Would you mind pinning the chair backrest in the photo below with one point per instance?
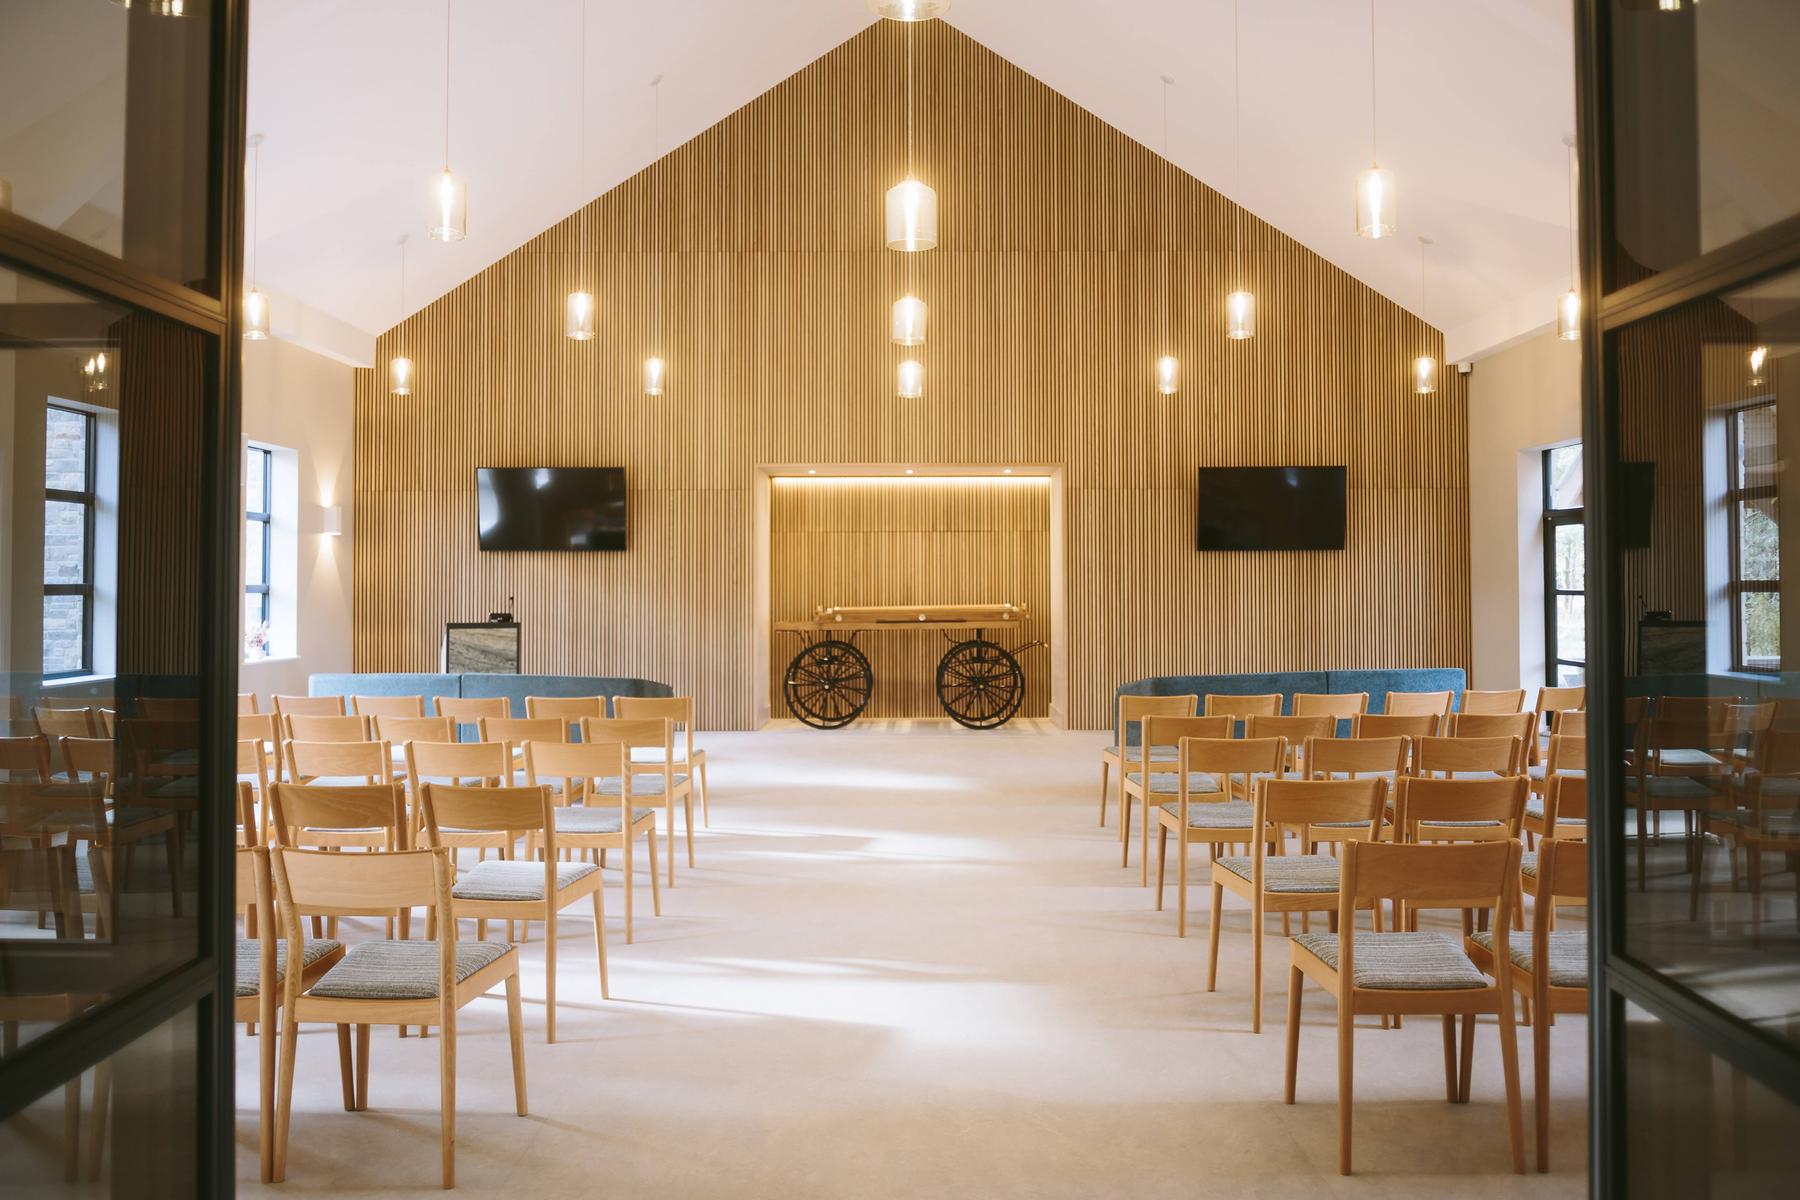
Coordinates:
(1133, 710)
(294, 808)
(1686, 728)
(261, 726)
(1228, 757)
(388, 706)
(571, 763)
(1559, 699)
(1326, 757)
(514, 810)
(1568, 752)
(1566, 800)
(519, 730)
(570, 710)
(250, 888)
(401, 730)
(90, 759)
(1569, 720)
(168, 708)
(247, 703)
(309, 706)
(1437, 875)
(66, 722)
(1311, 802)
(1242, 707)
(467, 710)
(639, 734)
(109, 720)
(1297, 730)
(1168, 731)
(252, 759)
(1412, 704)
(1387, 725)
(454, 762)
(21, 754)
(303, 728)
(1342, 705)
(1694, 708)
(1562, 874)
(371, 884)
(679, 709)
(1453, 755)
(1445, 802)
(1511, 701)
(373, 761)
(1488, 725)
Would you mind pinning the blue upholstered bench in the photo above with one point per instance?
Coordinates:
(1377, 683)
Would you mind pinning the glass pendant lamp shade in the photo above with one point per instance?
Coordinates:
(160, 8)
(1168, 375)
(400, 375)
(449, 208)
(909, 321)
(911, 379)
(93, 372)
(909, 10)
(1375, 203)
(653, 376)
(1425, 371)
(1568, 316)
(1758, 357)
(578, 317)
(1240, 316)
(256, 316)
(911, 216)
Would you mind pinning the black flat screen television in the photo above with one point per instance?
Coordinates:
(1271, 508)
(1637, 499)
(550, 508)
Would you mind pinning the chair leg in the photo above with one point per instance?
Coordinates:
(626, 856)
(655, 887)
(687, 823)
(447, 1095)
(346, 1067)
(285, 1100)
(1162, 858)
(1125, 828)
(1346, 1030)
(362, 1068)
(1467, 1070)
(550, 972)
(1295, 979)
(669, 841)
(265, 1081)
(1540, 1086)
(705, 802)
(1181, 862)
(600, 941)
(1509, 1066)
(1256, 960)
(1105, 778)
(1212, 938)
(1450, 1089)
(515, 1030)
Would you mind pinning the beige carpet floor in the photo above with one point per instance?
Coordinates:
(909, 965)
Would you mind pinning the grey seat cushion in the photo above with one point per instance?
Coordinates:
(1424, 824)
(249, 953)
(1289, 872)
(641, 785)
(1686, 757)
(1568, 954)
(1402, 962)
(1671, 787)
(389, 970)
(1538, 771)
(504, 880)
(1230, 814)
(1136, 753)
(1168, 783)
(1528, 863)
(595, 818)
(1535, 810)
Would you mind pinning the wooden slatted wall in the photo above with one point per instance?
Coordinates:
(1069, 257)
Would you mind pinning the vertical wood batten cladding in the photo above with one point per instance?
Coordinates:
(1062, 242)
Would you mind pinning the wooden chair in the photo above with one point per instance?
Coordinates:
(1468, 757)
(397, 731)
(253, 780)
(1242, 708)
(1385, 759)
(1764, 816)
(516, 731)
(309, 706)
(467, 711)
(246, 704)
(1459, 809)
(388, 706)
(264, 727)
(570, 710)
(385, 982)
(66, 722)
(168, 708)
(113, 830)
(27, 755)
(1569, 721)
(1681, 763)
(1388, 725)
(1561, 986)
(1211, 816)
(1565, 815)
(1131, 713)
(1413, 704)
(1344, 706)
(1297, 730)
(109, 721)
(1407, 972)
(1489, 725)
(1493, 703)
(1550, 700)
(1567, 756)
(1291, 883)
(302, 728)
(651, 782)
(461, 764)
(1161, 731)
(597, 825)
(517, 891)
(339, 764)
(334, 817)
(680, 710)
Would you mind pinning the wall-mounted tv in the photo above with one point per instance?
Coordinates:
(1271, 508)
(550, 508)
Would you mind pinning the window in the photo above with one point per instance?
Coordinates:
(259, 520)
(1755, 519)
(69, 452)
(1565, 569)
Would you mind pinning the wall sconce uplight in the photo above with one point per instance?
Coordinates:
(331, 520)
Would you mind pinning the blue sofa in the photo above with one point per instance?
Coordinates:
(1377, 683)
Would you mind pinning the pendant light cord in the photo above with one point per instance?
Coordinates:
(1570, 174)
(1168, 215)
(909, 99)
(400, 325)
(1237, 140)
(1374, 157)
(581, 170)
(655, 226)
(446, 86)
(255, 203)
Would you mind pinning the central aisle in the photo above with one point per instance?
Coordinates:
(909, 965)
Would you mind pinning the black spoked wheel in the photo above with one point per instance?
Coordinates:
(980, 684)
(828, 684)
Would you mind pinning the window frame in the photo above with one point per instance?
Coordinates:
(1553, 519)
(88, 497)
(1736, 495)
(265, 516)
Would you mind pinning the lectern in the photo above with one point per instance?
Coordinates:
(480, 648)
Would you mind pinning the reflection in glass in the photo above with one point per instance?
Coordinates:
(1571, 557)
(1571, 628)
(1565, 476)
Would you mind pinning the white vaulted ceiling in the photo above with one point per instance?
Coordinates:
(1475, 97)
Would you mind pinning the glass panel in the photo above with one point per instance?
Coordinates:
(1759, 540)
(1705, 99)
(1565, 476)
(65, 542)
(63, 635)
(255, 480)
(65, 450)
(1571, 628)
(1760, 622)
(256, 629)
(1758, 458)
(103, 128)
(1571, 557)
(255, 569)
(1568, 675)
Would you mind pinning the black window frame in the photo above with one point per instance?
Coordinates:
(88, 497)
(265, 516)
(1736, 495)
(1553, 519)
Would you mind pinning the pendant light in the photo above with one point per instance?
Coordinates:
(157, 8)
(1168, 367)
(909, 321)
(911, 204)
(654, 368)
(1374, 187)
(579, 310)
(400, 367)
(256, 305)
(1758, 357)
(1240, 305)
(1425, 367)
(450, 203)
(1568, 309)
(909, 10)
(911, 380)
(94, 373)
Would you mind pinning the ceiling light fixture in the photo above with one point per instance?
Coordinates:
(909, 10)
(579, 310)
(1758, 357)
(1568, 309)
(256, 305)
(1240, 305)
(1425, 367)
(1374, 187)
(93, 373)
(400, 367)
(911, 204)
(654, 367)
(450, 209)
(1168, 367)
(911, 381)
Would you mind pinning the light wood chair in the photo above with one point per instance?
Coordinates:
(309, 706)
(1160, 785)
(1469, 757)
(1565, 815)
(651, 782)
(113, 831)
(66, 722)
(1459, 810)
(109, 722)
(246, 704)
(1412, 704)
(1212, 817)
(338, 764)
(570, 710)
(1550, 970)
(1767, 813)
(1681, 763)
(1496, 703)
(27, 755)
(301, 728)
(1490, 725)
(386, 982)
(1570, 721)
(1297, 730)
(397, 731)
(1342, 705)
(1385, 759)
(1407, 972)
(1567, 756)
(1551, 700)
(462, 764)
(598, 825)
(516, 731)
(680, 710)
(1241, 707)
(1387, 725)
(467, 711)
(334, 817)
(517, 891)
(388, 706)
(264, 727)
(1291, 883)
(253, 780)
(1131, 713)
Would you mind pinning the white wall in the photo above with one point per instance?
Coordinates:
(1520, 401)
(299, 400)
